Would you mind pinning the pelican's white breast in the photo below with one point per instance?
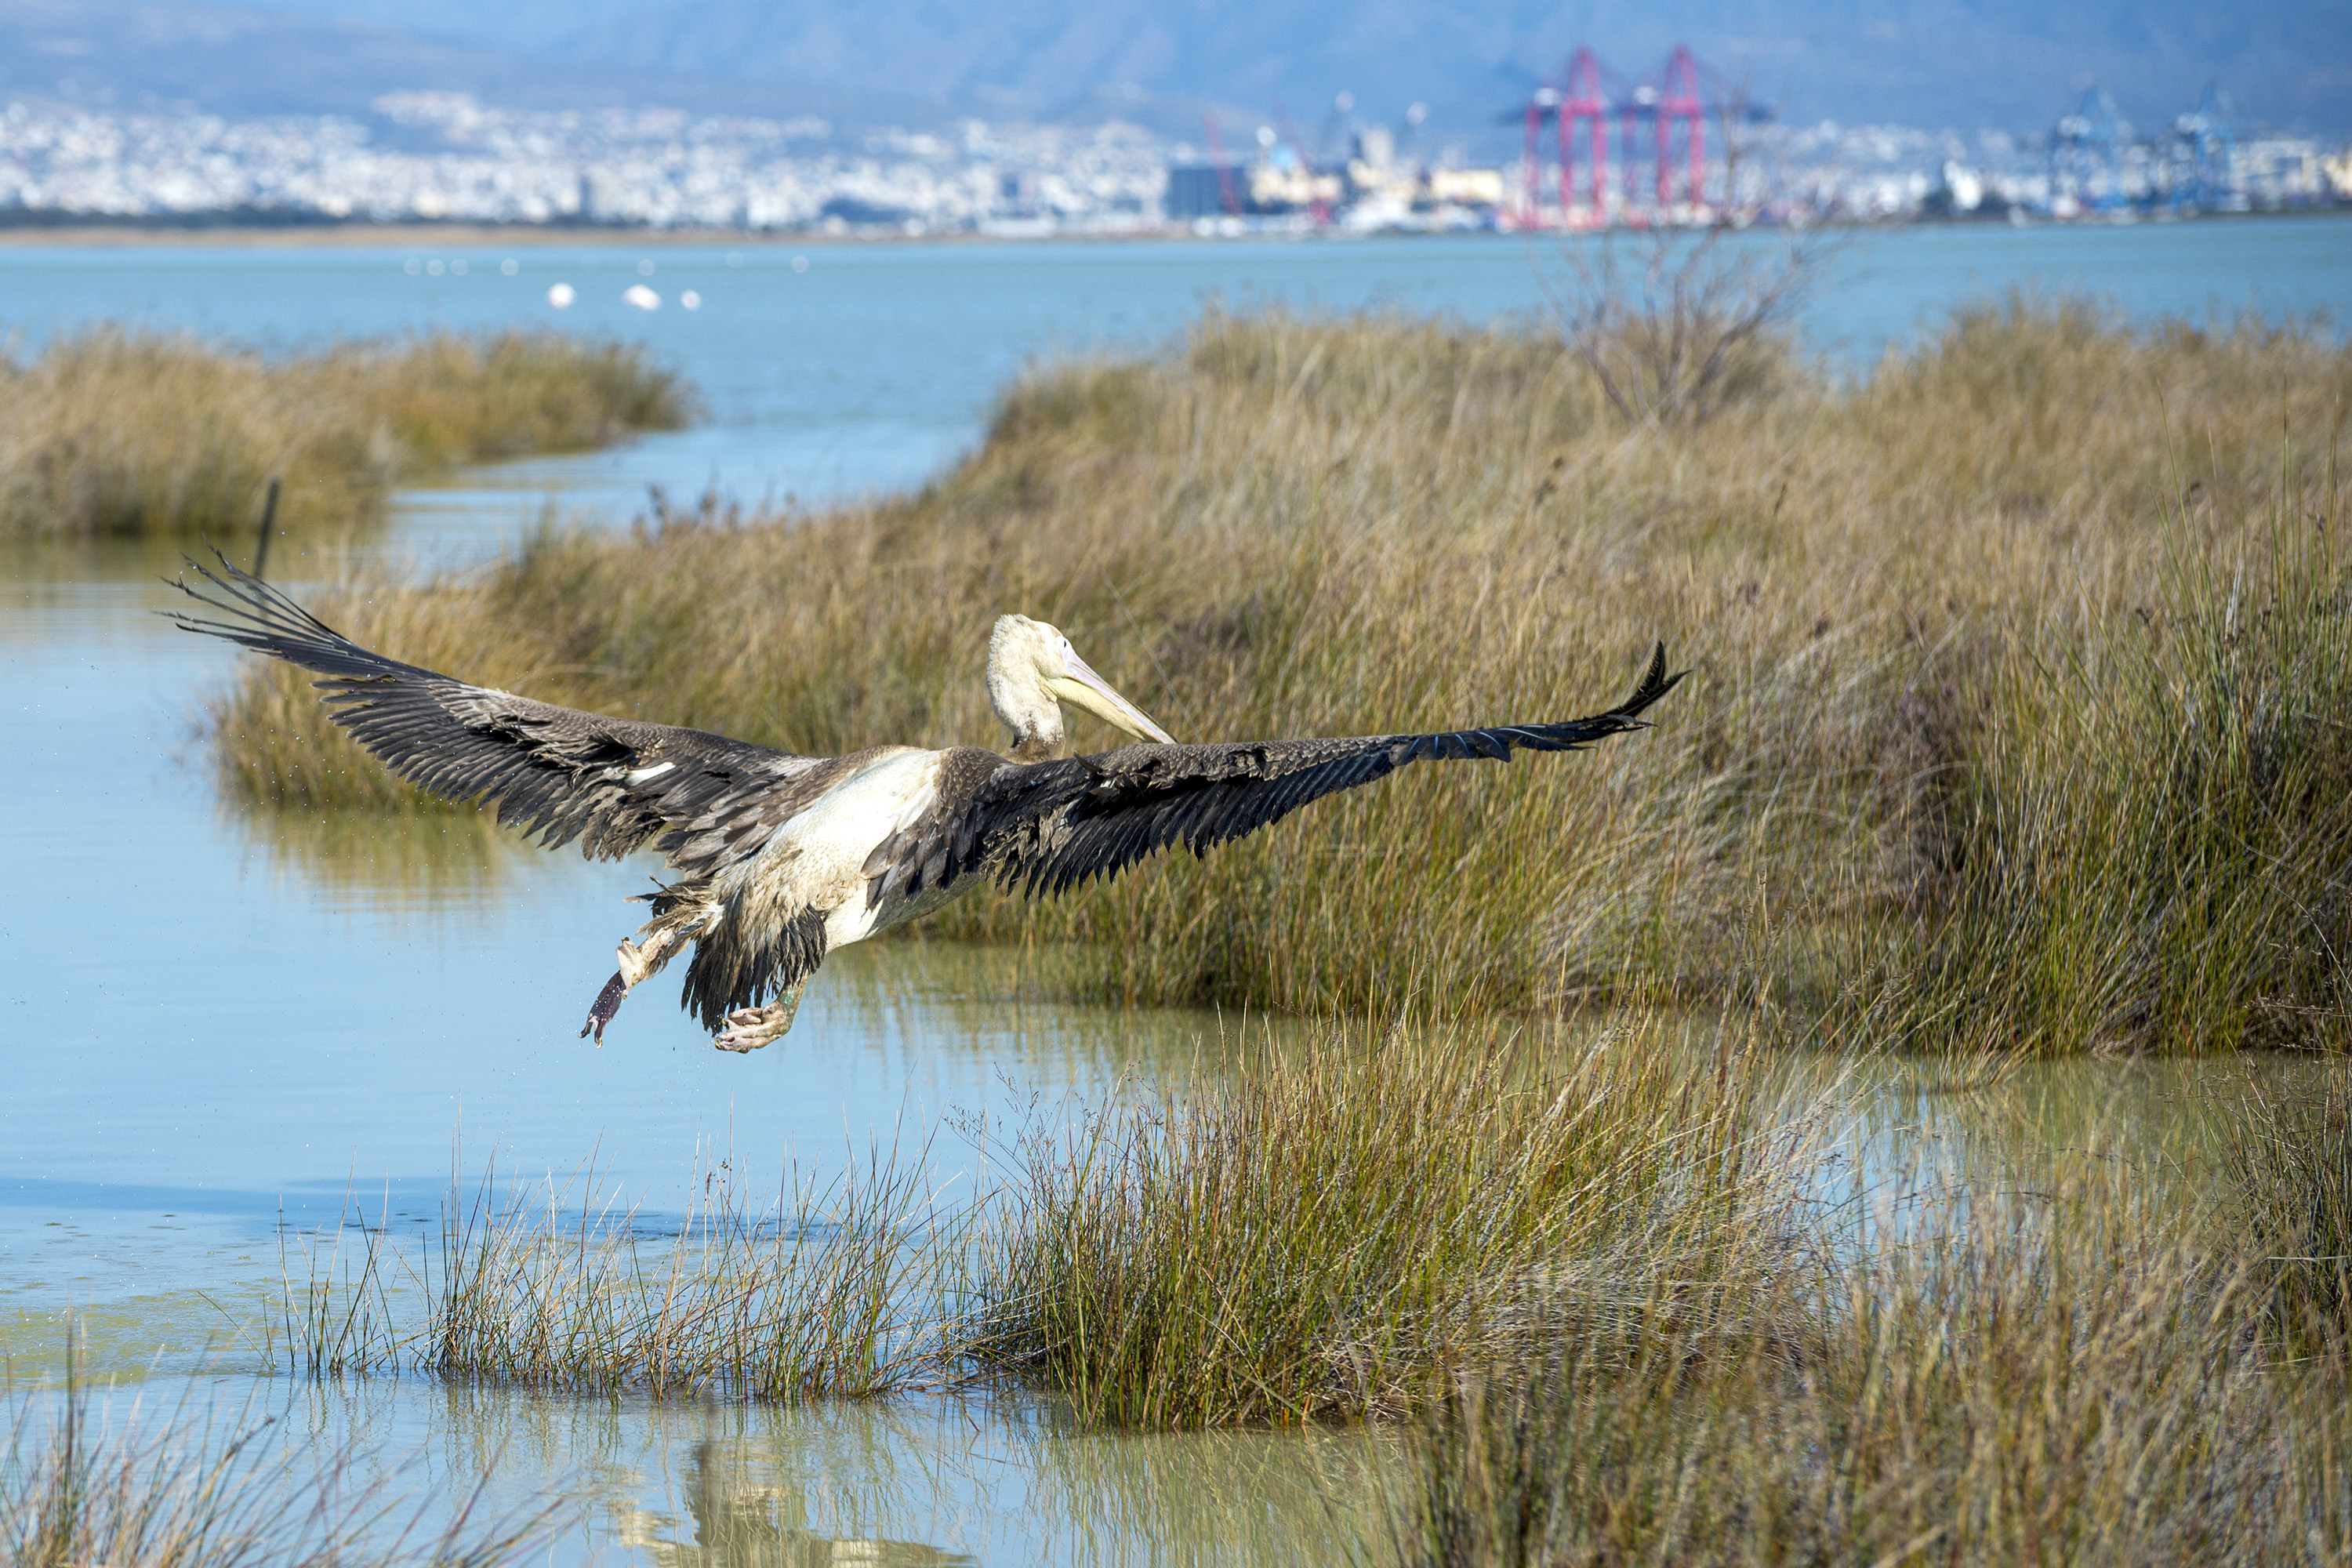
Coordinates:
(817, 859)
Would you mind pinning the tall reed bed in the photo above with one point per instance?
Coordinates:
(2065, 1377)
(2147, 839)
(2001, 651)
(113, 432)
(83, 1485)
(1335, 1234)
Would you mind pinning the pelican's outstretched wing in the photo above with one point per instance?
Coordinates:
(1048, 827)
(559, 773)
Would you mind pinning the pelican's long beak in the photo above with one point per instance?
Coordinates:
(1078, 683)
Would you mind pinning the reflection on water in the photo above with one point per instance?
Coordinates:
(913, 1481)
(740, 1521)
(415, 860)
(1904, 1146)
(941, 1482)
(2175, 1120)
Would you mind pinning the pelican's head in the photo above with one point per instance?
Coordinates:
(1032, 669)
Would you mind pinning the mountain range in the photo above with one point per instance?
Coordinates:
(2012, 64)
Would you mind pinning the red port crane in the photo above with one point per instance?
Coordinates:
(1678, 99)
(1674, 97)
(1217, 161)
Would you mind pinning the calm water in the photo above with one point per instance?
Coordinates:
(207, 1021)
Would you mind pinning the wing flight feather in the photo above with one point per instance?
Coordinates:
(1048, 827)
(558, 773)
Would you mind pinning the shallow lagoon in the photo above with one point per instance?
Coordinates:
(216, 1029)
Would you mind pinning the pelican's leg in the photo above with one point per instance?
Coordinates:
(637, 962)
(751, 1027)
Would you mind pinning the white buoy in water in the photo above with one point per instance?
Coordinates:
(643, 298)
(561, 296)
(691, 300)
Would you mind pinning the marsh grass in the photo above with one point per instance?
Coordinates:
(2293, 1191)
(828, 1290)
(2152, 832)
(337, 1315)
(2000, 650)
(119, 433)
(1309, 1230)
(81, 1487)
(1588, 1272)
(1332, 1233)
(818, 1296)
(2066, 1375)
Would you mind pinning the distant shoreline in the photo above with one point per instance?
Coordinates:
(133, 233)
(388, 236)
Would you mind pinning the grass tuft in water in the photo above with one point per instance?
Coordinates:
(815, 1296)
(2294, 1193)
(830, 1290)
(1333, 1232)
(116, 433)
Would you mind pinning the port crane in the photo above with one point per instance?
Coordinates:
(1672, 103)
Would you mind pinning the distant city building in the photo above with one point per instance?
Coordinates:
(451, 159)
(1204, 190)
(446, 157)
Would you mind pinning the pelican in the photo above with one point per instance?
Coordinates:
(782, 858)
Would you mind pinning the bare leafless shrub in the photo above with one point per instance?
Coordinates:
(1694, 325)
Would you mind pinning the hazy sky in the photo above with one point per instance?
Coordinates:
(2011, 63)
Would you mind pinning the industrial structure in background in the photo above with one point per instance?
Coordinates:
(1678, 145)
(1661, 120)
(2205, 162)
(1683, 145)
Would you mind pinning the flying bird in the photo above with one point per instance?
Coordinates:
(782, 858)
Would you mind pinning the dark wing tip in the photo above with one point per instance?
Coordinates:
(263, 617)
(1655, 683)
(249, 598)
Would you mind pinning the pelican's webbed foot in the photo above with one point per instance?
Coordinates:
(600, 1012)
(749, 1028)
(637, 962)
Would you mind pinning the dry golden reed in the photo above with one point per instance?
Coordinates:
(1337, 1229)
(2015, 722)
(2059, 1379)
(119, 433)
